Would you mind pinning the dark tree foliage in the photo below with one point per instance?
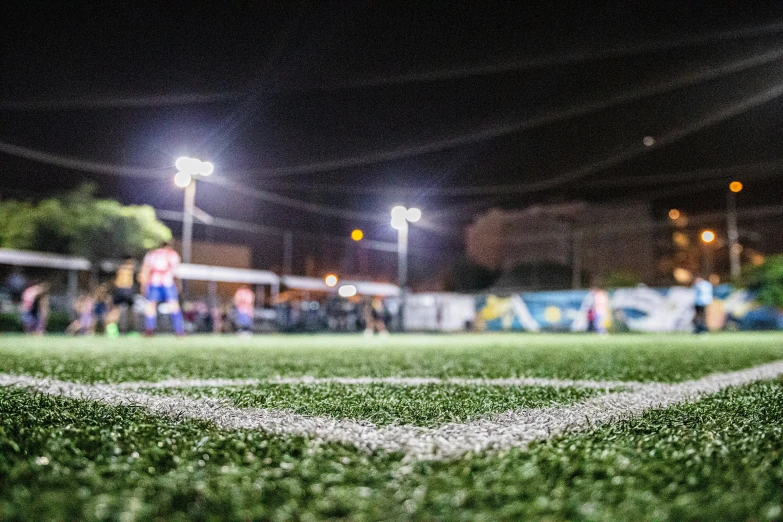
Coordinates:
(766, 281)
(80, 224)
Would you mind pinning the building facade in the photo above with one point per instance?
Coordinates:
(589, 242)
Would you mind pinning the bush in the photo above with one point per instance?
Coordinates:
(58, 322)
(467, 276)
(622, 279)
(766, 281)
(12, 323)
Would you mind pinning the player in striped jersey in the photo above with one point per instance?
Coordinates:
(157, 284)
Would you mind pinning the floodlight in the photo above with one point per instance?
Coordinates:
(347, 291)
(206, 168)
(182, 179)
(188, 165)
(399, 212)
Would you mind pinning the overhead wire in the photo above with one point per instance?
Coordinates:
(498, 131)
(161, 173)
(82, 165)
(753, 170)
(581, 56)
(527, 124)
(445, 74)
(529, 187)
(243, 226)
(746, 171)
(629, 153)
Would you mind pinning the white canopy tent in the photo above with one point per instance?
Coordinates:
(193, 272)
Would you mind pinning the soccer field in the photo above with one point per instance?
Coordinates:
(444, 427)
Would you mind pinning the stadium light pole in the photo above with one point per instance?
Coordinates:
(732, 231)
(400, 216)
(188, 171)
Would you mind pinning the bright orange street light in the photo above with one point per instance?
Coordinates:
(357, 235)
(735, 186)
(708, 236)
(330, 280)
(674, 214)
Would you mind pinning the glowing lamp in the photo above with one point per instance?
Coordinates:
(188, 165)
(413, 215)
(398, 212)
(206, 168)
(347, 291)
(182, 179)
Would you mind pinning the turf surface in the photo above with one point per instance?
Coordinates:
(382, 404)
(720, 458)
(619, 357)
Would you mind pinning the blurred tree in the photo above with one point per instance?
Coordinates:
(535, 276)
(16, 218)
(766, 281)
(622, 279)
(81, 224)
(467, 276)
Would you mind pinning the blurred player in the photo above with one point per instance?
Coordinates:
(84, 323)
(600, 310)
(100, 308)
(157, 284)
(122, 298)
(375, 318)
(35, 308)
(244, 300)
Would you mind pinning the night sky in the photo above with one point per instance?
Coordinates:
(361, 105)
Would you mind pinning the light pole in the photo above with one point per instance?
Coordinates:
(400, 218)
(188, 171)
(731, 227)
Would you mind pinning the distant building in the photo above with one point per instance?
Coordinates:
(543, 246)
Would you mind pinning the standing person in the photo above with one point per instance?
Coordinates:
(217, 319)
(703, 290)
(84, 323)
(122, 298)
(158, 284)
(35, 308)
(244, 301)
(375, 318)
(591, 320)
(100, 310)
(601, 310)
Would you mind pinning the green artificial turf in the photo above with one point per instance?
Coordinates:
(63, 459)
(618, 357)
(382, 404)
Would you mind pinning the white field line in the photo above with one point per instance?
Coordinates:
(394, 381)
(498, 432)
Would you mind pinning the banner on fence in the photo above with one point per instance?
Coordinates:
(639, 309)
